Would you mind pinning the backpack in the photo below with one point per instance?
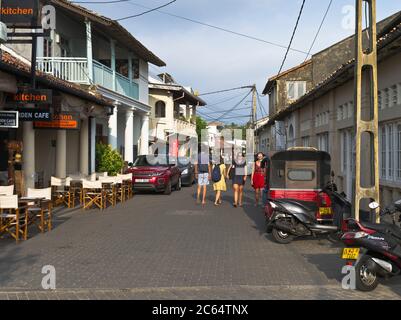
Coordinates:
(216, 174)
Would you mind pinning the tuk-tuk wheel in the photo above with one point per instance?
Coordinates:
(282, 237)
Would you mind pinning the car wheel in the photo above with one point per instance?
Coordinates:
(282, 237)
(167, 191)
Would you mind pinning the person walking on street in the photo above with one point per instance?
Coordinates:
(203, 175)
(219, 185)
(239, 176)
(258, 177)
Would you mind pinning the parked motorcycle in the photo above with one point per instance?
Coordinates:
(290, 218)
(373, 249)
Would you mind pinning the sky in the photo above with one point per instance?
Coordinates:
(210, 60)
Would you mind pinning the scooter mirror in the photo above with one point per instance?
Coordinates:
(373, 205)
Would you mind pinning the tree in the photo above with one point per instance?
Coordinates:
(108, 160)
(200, 125)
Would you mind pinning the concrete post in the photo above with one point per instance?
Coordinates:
(89, 51)
(113, 129)
(84, 148)
(129, 136)
(28, 137)
(145, 135)
(61, 154)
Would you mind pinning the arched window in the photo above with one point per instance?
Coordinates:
(291, 136)
(160, 109)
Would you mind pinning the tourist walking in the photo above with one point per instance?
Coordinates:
(239, 173)
(258, 177)
(219, 179)
(203, 175)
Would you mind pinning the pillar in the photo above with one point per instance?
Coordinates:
(113, 128)
(89, 51)
(145, 135)
(61, 154)
(113, 61)
(84, 147)
(129, 136)
(28, 137)
(92, 145)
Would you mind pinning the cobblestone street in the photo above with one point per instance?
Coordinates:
(167, 247)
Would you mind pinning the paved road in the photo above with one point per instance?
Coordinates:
(167, 247)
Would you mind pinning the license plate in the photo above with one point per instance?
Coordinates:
(142, 180)
(325, 211)
(350, 253)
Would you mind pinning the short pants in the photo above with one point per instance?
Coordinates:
(203, 179)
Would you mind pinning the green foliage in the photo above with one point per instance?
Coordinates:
(108, 160)
(200, 125)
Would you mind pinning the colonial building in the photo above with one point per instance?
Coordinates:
(323, 116)
(102, 56)
(173, 108)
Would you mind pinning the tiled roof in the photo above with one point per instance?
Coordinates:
(15, 66)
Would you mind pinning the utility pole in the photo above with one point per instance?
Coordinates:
(366, 113)
(254, 97)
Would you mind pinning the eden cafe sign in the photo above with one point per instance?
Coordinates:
(19, 13)
(29, 114)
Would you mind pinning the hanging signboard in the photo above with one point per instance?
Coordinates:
(33, 114)
(63, 120)
(20, 13)
(25, 96)
(8, 119)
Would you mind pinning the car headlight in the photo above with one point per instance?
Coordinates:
(273, 205)
(185, 171)
(158, 174)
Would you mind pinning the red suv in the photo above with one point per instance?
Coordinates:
(150, 173)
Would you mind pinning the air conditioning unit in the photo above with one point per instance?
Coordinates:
(3, 32)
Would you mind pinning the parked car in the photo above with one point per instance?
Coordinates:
(157, 176)
(187, 171)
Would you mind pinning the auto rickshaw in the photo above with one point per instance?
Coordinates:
(296, 181)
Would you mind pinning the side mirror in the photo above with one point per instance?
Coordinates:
(374, 205)
(130, 164)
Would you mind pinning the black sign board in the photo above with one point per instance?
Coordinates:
(20, 13)
(42, 96)
(8, 119)
(33, 114)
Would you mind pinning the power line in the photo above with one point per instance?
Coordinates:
(318, 31)
(99, 2)
(292, 37)
(225, 90)
(208, 106)
(148, 11)
(218, 28)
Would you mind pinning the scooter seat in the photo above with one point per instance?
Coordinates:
(384, 228)
(308, 207)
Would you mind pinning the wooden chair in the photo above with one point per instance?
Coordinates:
(13, 219)
(42, 211)
(60, 192)
(6, 190)
(126, 185)
(92, 194)
(119, 188)
(109, 190)
(74, 185)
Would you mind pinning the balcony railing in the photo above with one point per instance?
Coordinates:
(76, 70)
(184, 127)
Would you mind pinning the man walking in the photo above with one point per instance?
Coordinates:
(203, 175)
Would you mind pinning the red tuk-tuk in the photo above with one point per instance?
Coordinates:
(296, 180)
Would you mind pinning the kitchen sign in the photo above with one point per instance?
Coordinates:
(33, 114)
(62, 121)
(26, 96)
(20, 13)
(8, 119)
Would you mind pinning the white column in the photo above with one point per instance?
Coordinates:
(129, 136)
(28, 136)
(89, 51)
(84, 148)
(93, 145)
(113, 129)
(61, 154)
(145, 135)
